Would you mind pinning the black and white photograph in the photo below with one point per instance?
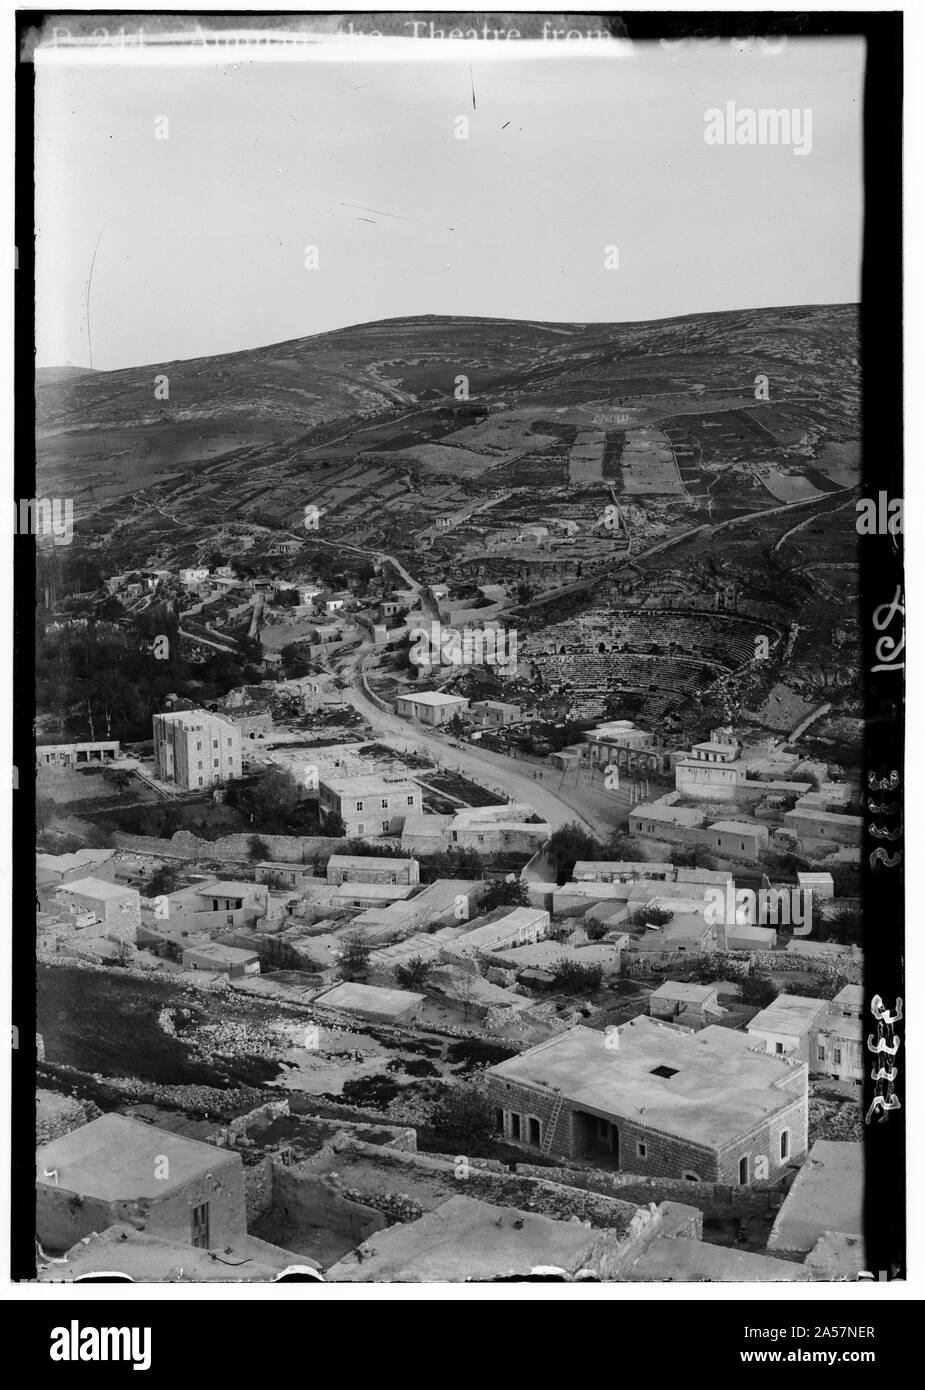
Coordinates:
(460, 653)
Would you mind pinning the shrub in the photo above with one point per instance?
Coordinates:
(573, 978)
(596, 931)
(651, 916)
(414, 972)
(465, 1113)
(501, 893)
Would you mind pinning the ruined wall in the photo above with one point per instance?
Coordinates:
(258, 1189)
(304, 1199)
(286, 849)
(713, 1199)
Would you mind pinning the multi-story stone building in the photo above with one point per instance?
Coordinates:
(195, 748)
(369, 805)
(710, 770)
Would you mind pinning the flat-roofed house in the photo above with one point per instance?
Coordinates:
(658, 1100)
(788, 1025)
(357, 868)
(516, 926)
(430, 706)
(116, 1169)
(829, 827)
(115, 907)
(369, 805)
(838, 1049)
(675, 997)
(233, 961)
(76, 754)
(740, 839)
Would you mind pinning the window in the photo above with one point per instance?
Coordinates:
(784, 1144)
(229, 743)
(200, 780)
(664, 1071)
(198, 747)
(641, 1149)
(837, 1058)
(215, 762)
(385, 803)
(361, 829)
(215, 743)
(410, 800)
(820, 1053)
(199, 764)
(229, 920)
(742, 844)
(200, 1226)
(778, 1047)
(743, 1171)
(359, 805)
(603, 1129)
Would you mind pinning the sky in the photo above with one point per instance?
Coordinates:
(202, 236)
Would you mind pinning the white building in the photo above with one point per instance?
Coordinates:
(711, 770)
(195, 748)
(431, 707)
(114, 906)
(194, 575)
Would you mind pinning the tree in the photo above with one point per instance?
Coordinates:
(465, 1114)
(623, 848)
(414, 972)
(258, 849)
(333, 825)
(164, 880)
(596, 931)
(846, 924)
(354, 954)
(505, 893)
(757, 991)
(272, 799)
(464, 990)
(572, 977)
(567, 845)
(691, 857)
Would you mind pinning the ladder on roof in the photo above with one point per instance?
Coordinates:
(550, 1129)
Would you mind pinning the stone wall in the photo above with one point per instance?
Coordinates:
(234, 849)
(714, 1199)
(304, 1199)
